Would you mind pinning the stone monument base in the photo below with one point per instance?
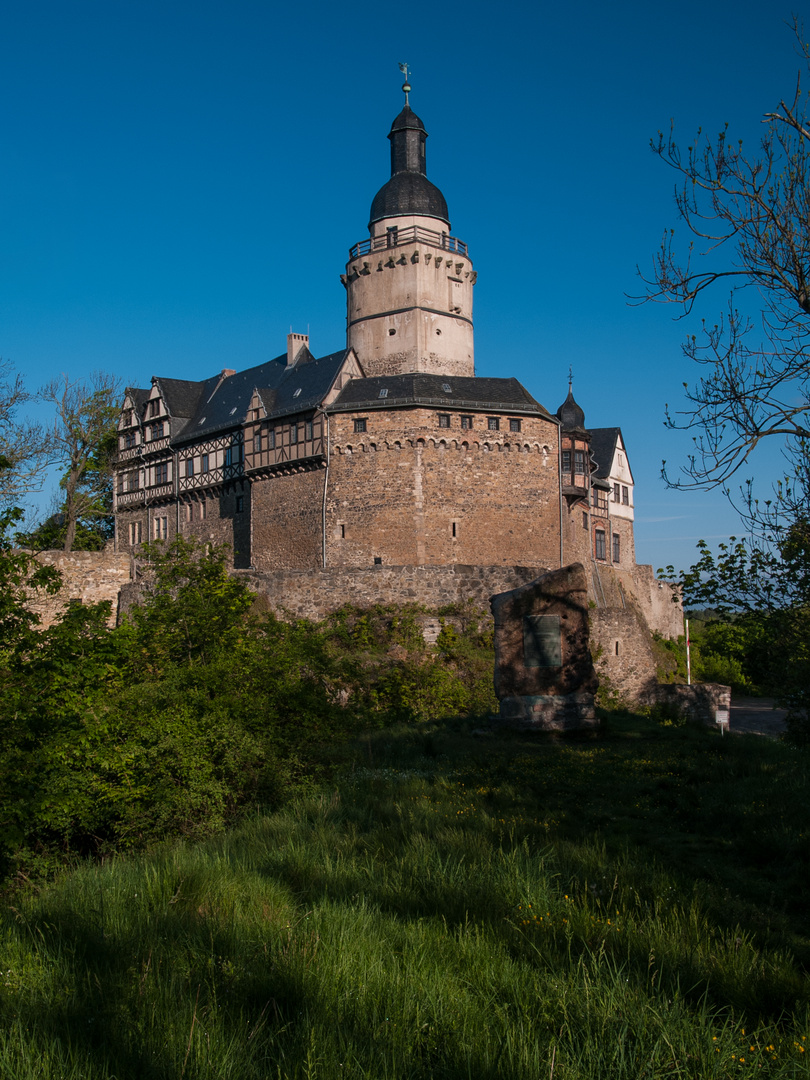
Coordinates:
(548, 712)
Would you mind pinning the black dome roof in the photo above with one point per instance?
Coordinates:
(570, 415)
(408, 191)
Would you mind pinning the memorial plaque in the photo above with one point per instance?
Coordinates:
(542, 643)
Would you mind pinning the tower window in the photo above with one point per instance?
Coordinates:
(271, 439)
(391, 331)
(307, 429)
(189, 466)
(444, 420)
(514, 425)
(579, 462)
(392, 233)
(566, 461)
(617, 493)
(493, 423)
(625, 496)
(240, 504)
(466, 423)
(617, 549)
(293, 434)
(359, 427)
(204, 463)
(257, 443)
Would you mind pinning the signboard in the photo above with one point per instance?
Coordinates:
(542, 642)
(721, 716)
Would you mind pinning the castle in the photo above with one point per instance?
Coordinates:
(390, 452)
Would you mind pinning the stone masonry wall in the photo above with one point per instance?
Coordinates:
(411, 493)
(287, 531)
(87, 576)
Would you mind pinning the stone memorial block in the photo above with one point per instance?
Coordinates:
(544, 674)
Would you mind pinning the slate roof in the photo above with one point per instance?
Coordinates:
(603, 447)
(409, 193)
(570, 414)
(502, 395)
(220, 403)
(139, 398)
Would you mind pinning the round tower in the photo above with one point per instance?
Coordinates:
(409, 286)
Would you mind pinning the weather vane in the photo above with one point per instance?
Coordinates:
(570, 378)
(406, 86)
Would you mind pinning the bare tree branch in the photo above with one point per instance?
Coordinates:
(748, 218)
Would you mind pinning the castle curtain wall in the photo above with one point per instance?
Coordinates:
(288, 521)
(411, 493)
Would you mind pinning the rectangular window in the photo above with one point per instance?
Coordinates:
(135, 532)
(617, 493)
(132, 482)
(584, 519)
(161, 528)
(190, 512)
(257, 443)
(566, 461)
(454, 529)
(359, 427)
(154, 407)
(271, 439)
(444, 420)
(157, 431)
(493, 423)
(293, 434)
(189, 466)
(127, 418)
(625, 496)
(391, 235)
(233, 454)
(342, 530)
(599, 538)
(308, 430)
(162, 472)
(514, 425)
(466, 423)
(129, 440)
(240, 504)
(203, 462)
(617, 548)
(579, 462)
(202, 510)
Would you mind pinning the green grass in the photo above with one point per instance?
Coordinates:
(632, 905)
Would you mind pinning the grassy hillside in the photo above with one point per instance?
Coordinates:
(632, 904)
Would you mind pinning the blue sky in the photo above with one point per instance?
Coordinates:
(181, 183)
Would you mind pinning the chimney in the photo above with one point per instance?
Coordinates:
(295, 342)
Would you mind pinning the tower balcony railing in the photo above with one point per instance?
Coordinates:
(413, 234)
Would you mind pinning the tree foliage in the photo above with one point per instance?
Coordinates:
(25, 447)
(747, 215)
(83, 439)
(197, 706)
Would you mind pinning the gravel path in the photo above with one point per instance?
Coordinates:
(756, 716)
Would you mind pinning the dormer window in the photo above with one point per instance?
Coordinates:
(297, 392)
(384, 392)
(154, 407)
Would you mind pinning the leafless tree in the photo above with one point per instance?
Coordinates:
(25, 447)
(83, 437)
(749, 219)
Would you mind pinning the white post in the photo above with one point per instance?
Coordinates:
(688, 655)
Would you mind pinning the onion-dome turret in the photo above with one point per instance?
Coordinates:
(408, 192)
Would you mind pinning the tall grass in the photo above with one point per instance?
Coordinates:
(455, 907)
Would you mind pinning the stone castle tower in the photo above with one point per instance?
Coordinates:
(409, 286)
